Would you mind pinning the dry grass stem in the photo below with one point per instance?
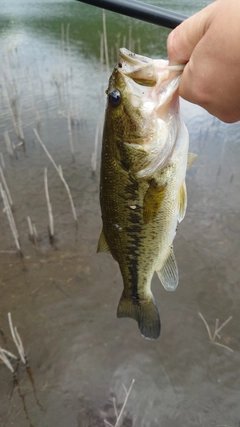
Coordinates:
(35, 233)
(6, 187)
(8, 144)
(9, 354)
(49, 206)
(215, 335)
(11, 221)
(62, 39)
(105, 39)
(5, 360)
(101, 48)
(207, 327)
(130, 47)
(13, 104)
(59, 173)
(2, 160)
(17, 340)
(118, 416)
(68, 192)
(30, 228)
(94, 154)
(69, 120)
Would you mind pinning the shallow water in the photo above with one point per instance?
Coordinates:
(63, 296)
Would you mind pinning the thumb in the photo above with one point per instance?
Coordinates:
(183, 39)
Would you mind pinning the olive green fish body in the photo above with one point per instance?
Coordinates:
(142, 199)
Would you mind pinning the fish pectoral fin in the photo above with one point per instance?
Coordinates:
(145, 312)
(152, 200)
(182, 200)
(190, 159)
(102, 244)
(168, 274)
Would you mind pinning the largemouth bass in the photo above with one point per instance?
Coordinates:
(142, 184)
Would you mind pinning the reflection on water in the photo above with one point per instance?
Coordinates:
(63, 297)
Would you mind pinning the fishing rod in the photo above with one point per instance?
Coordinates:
(139, 10)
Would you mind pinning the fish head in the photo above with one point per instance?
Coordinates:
(142, 101)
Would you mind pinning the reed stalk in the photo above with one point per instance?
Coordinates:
(94, 154)
(69, 120)
(49, 206)
(62, 39)
(11, 221)
(105, 39)
(101, 48)
(2, 160)
(67, 39)
(30, 228)
(5, 360)
(17, 340)
(119, 416)
(130, 38)
(59, 173)
(6, 187)
(8, 144)
(17, 123)
(35, 234)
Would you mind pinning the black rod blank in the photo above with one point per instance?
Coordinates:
(139, 10)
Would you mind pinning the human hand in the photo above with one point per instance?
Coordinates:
(209, 44)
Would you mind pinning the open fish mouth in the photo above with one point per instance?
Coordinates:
(155, 74)
(133, 64)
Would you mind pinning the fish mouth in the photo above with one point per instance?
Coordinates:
(154, 74)
(139, 68)
(153, 80)
(139, 60)
(133, 58)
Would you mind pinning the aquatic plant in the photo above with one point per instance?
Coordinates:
(8, 211)
(17, 340)
(59, 173)
(4, 355)
(212, 337)
(49, 207)
(120, 414)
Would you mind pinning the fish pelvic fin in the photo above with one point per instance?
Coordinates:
(168, 274)
(102, 244)
(145, 312)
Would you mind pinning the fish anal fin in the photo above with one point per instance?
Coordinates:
(168, 274)
(182, 200)
(152, 200)
(190, 160)
(102, 244)
(145, 312)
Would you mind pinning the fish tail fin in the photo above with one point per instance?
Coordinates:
(145, 312)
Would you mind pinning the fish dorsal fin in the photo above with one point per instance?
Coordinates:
(168, 274)
(190, 160)
(182, 200)
(102, 244)
(152, 200)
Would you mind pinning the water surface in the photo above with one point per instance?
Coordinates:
(63, 296)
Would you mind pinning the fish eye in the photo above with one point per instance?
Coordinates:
(114, 98)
